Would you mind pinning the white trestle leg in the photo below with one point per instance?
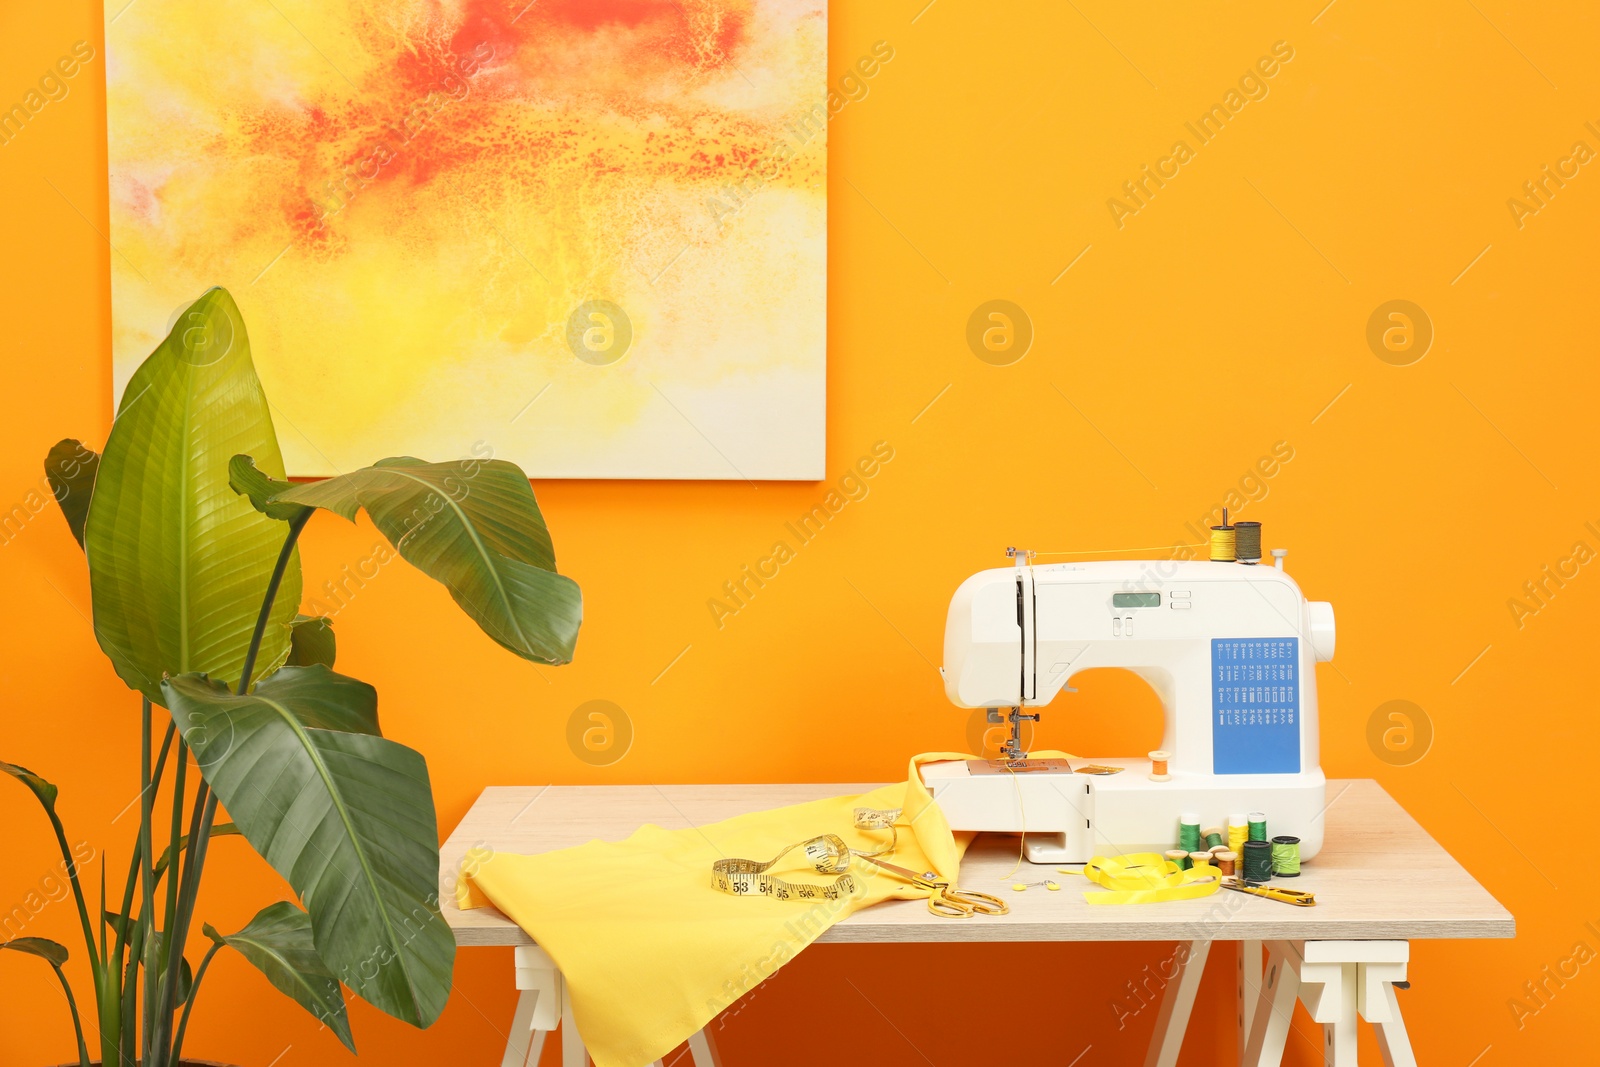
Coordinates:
(1176, 1004)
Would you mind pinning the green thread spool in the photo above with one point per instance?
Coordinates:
(1180, 857)
(1258, 826)
(1212, 837)
(1286, 857)
(1257, 861)
(1189, 833)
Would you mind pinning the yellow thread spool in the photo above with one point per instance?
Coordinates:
(1238, 832)
(1200, 859)
(1222, 544)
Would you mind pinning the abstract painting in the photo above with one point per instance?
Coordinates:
(587, 236)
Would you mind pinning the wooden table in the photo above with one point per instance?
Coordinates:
(1380, 882)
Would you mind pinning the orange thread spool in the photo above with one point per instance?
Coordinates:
(1225, 862)
(1158, 766)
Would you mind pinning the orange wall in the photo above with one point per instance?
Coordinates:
(1225, 316)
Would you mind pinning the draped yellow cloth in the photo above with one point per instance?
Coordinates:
(651, 952)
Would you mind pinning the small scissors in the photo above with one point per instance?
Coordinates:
(1297, 897)
(944, 898)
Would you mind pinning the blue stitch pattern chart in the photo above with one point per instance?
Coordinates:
(1255, 708)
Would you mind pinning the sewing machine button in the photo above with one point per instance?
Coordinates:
(1127, 626)
(1116, 626)
(1179, 594)
(1181, 605)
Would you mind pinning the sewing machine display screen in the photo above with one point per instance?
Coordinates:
(1255, 725)
(1136, 600)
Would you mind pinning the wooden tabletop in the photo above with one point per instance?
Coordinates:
(1379, 875)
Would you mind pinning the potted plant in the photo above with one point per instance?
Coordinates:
(190, 532)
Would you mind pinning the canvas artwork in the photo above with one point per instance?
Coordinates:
(587, 236)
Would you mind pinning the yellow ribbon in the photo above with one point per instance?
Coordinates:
(1146, 878)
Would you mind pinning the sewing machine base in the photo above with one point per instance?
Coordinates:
(1069, 817)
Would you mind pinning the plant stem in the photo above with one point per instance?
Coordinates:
(296, 524)
(194, 863)
(147, 907)
(194, 992)
(77, 1022)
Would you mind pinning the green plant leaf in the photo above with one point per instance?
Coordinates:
(259, 488)
(45, 791)
(70, 469)
(311, 641)
(178, 563)
(53, 953)
(473, 525)
(342, 813)
(278, 943)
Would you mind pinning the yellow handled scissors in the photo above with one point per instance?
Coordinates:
(944, 898)
(1297, 897)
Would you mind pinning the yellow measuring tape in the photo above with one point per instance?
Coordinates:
(827, 853)
(1147, 878)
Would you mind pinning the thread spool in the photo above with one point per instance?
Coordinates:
(1258, 861)
(1226, 861)
(1286, 857)
(1258, 826)
(1189, 833)
(1216, 850)
(1222, 544)
(1158, 766)
(1247, 542)
(1180, 857)
(1212, 837)
(1200, 859)
(1238, 831)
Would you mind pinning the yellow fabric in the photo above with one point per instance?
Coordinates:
(651, 952)
(1147, 878)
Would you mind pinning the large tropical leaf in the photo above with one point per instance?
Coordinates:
(278, 943)
(474, 525)
(178, 564)
(345, 815)
(70, 469)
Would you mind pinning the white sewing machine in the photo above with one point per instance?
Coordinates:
(1229, 648)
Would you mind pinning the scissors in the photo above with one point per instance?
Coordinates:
(944, 899)
(1288, 896)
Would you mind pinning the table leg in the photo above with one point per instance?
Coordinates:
(538, 1006)
(1269, 1030)
(1176, 1004)
(1339, 1035)
(1393, 1041)
(703, 1050)
(573, 1054)
(1249, 991)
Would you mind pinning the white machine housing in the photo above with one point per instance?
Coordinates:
(1230, 649)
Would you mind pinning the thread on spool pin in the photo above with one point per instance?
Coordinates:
(1189, 833)
(1180, 857)
(1258, 826)
(1238, 831)
(1258, 861)
(1158, 766)
(1222, 544)
(1286, 857)
(1226, 861)
(1247, 542)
